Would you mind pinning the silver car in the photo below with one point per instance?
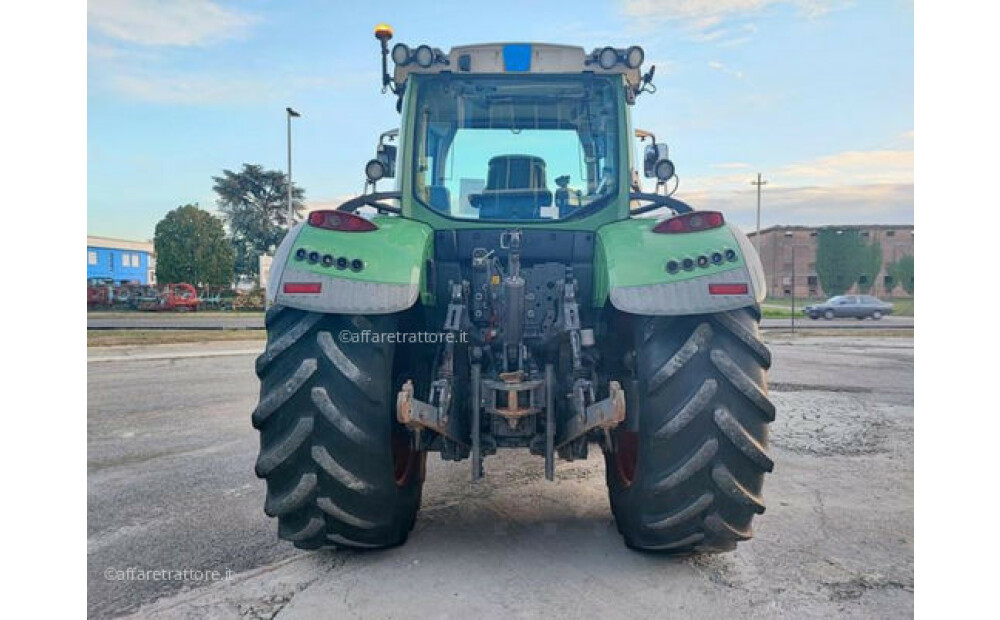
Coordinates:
(857, 306)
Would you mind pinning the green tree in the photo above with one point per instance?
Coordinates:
(871, 264)
(191, 246)
(901, 272)
(254, 204)
(841, 255)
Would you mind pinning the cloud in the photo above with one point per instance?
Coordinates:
(718, 66)
(185, 88)
(734, 165)
(847, 168)
(167, 22)
(887, 203)
(704, 17)
(101, 51)
(165, 86)
(853, 167)
(863, 187)
(726, 36)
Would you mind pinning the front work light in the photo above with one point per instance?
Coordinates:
(374, 170)
(664, 170)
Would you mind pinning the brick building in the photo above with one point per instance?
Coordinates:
(778, 243)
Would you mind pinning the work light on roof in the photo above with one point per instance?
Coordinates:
(401, 54)
(608, 58)
(424, 56)
(634, 57)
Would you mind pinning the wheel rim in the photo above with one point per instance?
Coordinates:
(626, 455)
(405, 460)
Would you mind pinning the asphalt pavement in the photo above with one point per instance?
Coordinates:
(157, 321)
(171, 489)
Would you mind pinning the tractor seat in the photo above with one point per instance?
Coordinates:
(515, 189)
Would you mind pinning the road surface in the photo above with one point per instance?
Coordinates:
(171, 488)
(96, 320)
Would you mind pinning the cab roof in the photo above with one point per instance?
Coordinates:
(509, 59)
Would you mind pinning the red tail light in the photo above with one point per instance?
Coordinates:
(337, 220)
(303, 287)
(728, 289)
(690, 222)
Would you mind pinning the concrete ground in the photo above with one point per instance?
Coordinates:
(248, 320)
(171, 487)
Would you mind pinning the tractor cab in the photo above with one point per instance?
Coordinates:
(519, 133)
(489, 148)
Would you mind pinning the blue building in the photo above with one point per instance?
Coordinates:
(120, 260)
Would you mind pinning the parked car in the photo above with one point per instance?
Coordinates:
(857, 306)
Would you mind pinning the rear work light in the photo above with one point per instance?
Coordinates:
(690, 222)
(337, 220)
(303, 287)
(728, 289)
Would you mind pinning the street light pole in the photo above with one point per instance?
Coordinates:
(759, 182)
(290, 113)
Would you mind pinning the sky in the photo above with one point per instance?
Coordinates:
(817, 95)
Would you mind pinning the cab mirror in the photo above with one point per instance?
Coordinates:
(384, 164)
(387, 155)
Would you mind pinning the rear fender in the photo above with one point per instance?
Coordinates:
(637, 280)
(390, 278)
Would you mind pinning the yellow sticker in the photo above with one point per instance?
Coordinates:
(496, 279)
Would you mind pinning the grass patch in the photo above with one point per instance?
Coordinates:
(778, 313)
(119, 337)
(903, 307)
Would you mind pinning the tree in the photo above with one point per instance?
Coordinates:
(841, 256)
(191, 246)
(901, 272)
(254, 204)
(871, 264)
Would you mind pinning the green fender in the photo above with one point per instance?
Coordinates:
(390, 277)
(632, 270)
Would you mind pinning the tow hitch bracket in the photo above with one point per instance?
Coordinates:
(416, 414)
(605, 414)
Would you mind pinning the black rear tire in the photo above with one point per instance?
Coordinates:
(689, 461)
(338, 467)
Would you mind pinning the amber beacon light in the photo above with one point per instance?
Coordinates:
(383, 32)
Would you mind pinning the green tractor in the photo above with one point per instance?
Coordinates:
(516, 289)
